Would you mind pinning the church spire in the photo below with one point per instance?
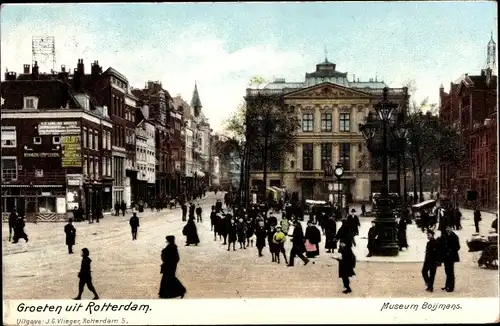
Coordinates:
(195, 101)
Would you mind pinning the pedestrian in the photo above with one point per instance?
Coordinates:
(85, 276)
(494, 224)
(222, 227)
(313, 238)
(117, 208)
(330, 232)
(191, 210)
(134, 224)
(19, 230)
(213, 220)
(250, 232)
(198, 214)
(458, 219)
(298, 246)
(242, 232)
(70, 232)
(449, 245)
(477, 219)
(285, 225)
(402, 240)
(123, 207)
(347, 263)
(170, 286)
(279, 239)
(184, 209)
(273, 247)
(353, 222)
(232, 234)
(372, 238)
(345, 232)
(12, 223)
(260, 235)
(191, 232)
(363, 209)
(431, 261)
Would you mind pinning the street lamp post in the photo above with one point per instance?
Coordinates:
(385, 222)
(339, 171)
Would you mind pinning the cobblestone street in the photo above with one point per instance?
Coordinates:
(42, 269)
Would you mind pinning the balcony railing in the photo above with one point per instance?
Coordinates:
(39, 177)
(264, 91)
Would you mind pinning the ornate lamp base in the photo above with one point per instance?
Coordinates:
(385, 223)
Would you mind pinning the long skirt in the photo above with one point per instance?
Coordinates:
(171, 287)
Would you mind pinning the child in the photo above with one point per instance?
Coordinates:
(85, 276)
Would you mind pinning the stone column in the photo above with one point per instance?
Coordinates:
(335, 117)
(355, 118)
(354, 156)
(298, 163)
(317, 119)
(317, 156)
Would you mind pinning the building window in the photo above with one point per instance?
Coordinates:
(9, 169)
(104, 135)
(37, 140)
(108, 167)
(104, 166)
(307, 122)
(91, 138)
(326, 122)
(345, 122)
(307, 157)
(292, 164)
(108, 139)
(360, 148)
(326, 154)
(96, 165)
(56, 140)
(84, 137)
(39, 173)
(30, 102)
(91, 167)
(345, 156)
(9, 137)
(85, 168)
(96, 140)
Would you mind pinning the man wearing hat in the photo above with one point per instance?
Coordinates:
(353, 221)
(85, 276)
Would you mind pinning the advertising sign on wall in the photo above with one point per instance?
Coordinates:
(71, 151)
(59, 128)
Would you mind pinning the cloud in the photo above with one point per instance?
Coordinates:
(198, 53)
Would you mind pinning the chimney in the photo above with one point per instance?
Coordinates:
(63, 68)
(10, 75)
(95, 69)
(26, 69)
(353, 78)
(35, 73)
(80, 66)
(358, 80)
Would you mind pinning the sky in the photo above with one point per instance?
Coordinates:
(222, 45)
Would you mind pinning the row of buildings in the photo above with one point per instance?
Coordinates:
(90, 139)
(470, 106)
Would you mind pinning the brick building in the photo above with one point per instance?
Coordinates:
(56, 146)
(471, 107)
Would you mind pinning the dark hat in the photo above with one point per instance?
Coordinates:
(170, 238)
(353, 210)
(85, 251)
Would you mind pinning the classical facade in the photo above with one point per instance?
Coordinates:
(145, 155)
(329, 108)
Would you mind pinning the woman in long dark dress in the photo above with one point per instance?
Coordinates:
(330, 233)
(260, 234)
(402, 241)
(170, 286)
(312, 235)
(241, 228)
(191, 232)
(347, 263)
(232, 234)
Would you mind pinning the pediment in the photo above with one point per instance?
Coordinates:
(327, 90)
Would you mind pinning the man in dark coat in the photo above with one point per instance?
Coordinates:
(457, 218)
(345, 232)
(70, 232)
(477, 219)
(232, 233)
(184, 209)
(12, 222)
(19, 230)
(330, 226)
(372, 238)
(198, 214)
(402, 239)
(353, 221)
(347, 263)
(134, 224)
(431, 261)
(213, 220)
(449, 245)
(298, 246)
(191, 211)
(241, 228)
(363, 209)
(222, 227)
(85, 276)
(170, 286)
(117, 209)
(123, 207)
(191, 233)
(260, 235)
